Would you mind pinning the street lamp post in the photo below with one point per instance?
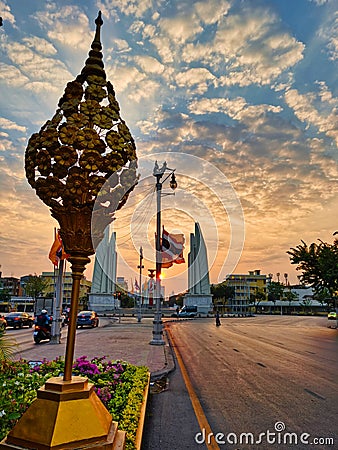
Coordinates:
(140, 266)
(157, 324)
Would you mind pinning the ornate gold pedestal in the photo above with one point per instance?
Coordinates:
(65, 415)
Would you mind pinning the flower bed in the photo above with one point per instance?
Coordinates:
(119, 385)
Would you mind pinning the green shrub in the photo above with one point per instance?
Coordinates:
(119, 385)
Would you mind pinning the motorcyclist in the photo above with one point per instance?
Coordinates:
(43, 320)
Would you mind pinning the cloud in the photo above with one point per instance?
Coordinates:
(275, 171)
(9, 125)
(329, 33)
(236, 108)
(250, 47)
(212, 11)
(12, 76)
(149, 64)
(67, 26)
(40, 45)
(199, 77)
(319, 2)
(31, 69)
(6, 13)
(121, 46)
(180, 29)
(128, 7)
(319, 109)
(23, 252)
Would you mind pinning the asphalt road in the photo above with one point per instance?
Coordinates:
(264, 377)
(250, 375)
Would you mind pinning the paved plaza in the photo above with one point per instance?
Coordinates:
(126, 340)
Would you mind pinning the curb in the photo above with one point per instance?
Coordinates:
(139, 433)
(169, 361)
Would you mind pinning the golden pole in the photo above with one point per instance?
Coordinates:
(78, 266)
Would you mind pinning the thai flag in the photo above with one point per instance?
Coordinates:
(172, 246)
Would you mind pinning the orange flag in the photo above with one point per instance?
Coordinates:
(57, 251)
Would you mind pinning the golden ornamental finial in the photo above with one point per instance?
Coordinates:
(98, 20)
(74, 154)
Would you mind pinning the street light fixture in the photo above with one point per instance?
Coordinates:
(159, 173)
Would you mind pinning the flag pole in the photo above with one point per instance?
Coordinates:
(56, 324)
(139, 317)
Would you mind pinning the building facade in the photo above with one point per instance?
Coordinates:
(85, 286)
(245, 286)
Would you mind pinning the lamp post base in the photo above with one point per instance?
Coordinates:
(66, 414)
(157, 342)
(157, 330)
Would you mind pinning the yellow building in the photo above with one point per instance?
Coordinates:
(85, 286)
(245, 287)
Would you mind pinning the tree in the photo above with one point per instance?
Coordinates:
(257, 297)
(289, 296)
(35, 286)
(319, 265)
(5, 295)
(275, 291)
(221, 293)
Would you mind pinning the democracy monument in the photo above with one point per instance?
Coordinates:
(101, 297)
(198, 274)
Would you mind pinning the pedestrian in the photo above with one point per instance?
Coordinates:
(218, 321)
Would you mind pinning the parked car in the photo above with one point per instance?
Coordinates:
(19, 320)
(332, 315)
(87, 318)
(3, 323)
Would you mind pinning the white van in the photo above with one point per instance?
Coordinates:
(188, 311)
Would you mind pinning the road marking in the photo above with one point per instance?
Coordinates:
(199, 413)
(314, 394)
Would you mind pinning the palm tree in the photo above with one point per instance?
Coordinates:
(286, 279)
(7, 346)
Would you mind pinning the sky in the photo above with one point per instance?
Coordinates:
(239, 96)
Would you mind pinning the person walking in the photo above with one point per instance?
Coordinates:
(218, 321)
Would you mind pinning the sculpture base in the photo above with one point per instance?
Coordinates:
(202, 301)
(103, 302)
(65, 415)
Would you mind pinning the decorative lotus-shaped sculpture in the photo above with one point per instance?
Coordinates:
(84, 152)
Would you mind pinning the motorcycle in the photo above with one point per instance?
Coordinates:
(41, 334)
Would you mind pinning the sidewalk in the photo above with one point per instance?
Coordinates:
(126, 340)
